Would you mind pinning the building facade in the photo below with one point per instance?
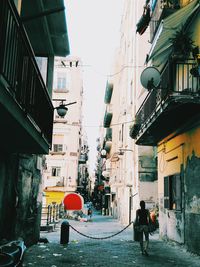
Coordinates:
(61, 174)
(26, 109)
(169, 117)
(132, 170)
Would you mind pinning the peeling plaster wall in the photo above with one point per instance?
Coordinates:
(181, 154)
(30, 200)
(148, 193)
(170, 159)
(192, 203)
(20, 198)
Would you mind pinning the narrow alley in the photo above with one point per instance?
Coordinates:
(117, 251)
(100, 112)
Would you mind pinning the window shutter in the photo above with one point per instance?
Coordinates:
(166, 192)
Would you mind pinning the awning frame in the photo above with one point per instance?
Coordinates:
(161, 44)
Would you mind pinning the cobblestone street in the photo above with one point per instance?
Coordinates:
(118, 251)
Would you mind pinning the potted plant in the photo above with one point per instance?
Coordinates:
(182, 44)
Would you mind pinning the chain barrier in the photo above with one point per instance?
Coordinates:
(101, 238)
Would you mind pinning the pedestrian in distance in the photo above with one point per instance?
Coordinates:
(142, 222)
(90, 213)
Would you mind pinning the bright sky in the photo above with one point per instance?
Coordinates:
(93, 29)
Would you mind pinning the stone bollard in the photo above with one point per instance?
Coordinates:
(64, 233)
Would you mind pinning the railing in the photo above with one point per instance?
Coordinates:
(60, 184)
(176, 78)
(19, 70)
(51, 214)
(170, 4)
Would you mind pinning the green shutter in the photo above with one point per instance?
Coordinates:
(166, 192)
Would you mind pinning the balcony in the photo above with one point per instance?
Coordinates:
(108, 136)
(26, 111)
(60, 184)
(108, 93)
(176, 104)
(107, 146)
(46, 26)
(160, 10)
(83, 159)
(162, 45)
(107, 119)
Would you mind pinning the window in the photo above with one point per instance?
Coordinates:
(58, 140)
(172, 192)
(61, 83)
(55, 171)
(57, 148)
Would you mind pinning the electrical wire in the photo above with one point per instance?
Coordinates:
(100, 73)
(97, 126)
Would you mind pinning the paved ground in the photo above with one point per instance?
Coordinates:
(117, 251)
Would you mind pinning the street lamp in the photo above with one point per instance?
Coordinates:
(62, 108)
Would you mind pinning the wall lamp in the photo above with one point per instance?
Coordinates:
(103, 153)
(62, 108)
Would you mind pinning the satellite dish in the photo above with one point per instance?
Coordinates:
(150, 78)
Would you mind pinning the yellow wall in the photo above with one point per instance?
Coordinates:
(195, 31)
(175, 152)
(184, 2)
(53, 196)
(18, 4)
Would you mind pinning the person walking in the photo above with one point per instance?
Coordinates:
(90, 213)
(89, 205)
(142, 221)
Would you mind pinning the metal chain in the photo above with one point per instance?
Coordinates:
(100, 238)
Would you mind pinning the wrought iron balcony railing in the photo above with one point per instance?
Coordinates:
(178, 85)
(19, 71)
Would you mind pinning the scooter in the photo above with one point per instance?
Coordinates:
(11, 253)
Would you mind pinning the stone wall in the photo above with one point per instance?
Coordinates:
(192, 204)
(20, 198)
(8, 182)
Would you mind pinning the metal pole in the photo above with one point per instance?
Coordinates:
(64, 234)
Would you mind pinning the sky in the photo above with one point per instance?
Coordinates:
(94, 32)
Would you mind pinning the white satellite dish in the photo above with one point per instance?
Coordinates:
(150, 78)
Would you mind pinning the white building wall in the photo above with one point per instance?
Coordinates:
(127, 96)
(68, 128)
